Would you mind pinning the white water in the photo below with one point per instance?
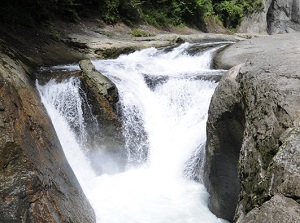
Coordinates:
(167, 120)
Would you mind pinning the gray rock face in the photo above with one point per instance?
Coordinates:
(225, 128)
(266, 92)
(270, 88)
(37, 183)
(283, 16)
(279, 209)
(108, 149)
(278, 16)
(244, 50)
(256, 22)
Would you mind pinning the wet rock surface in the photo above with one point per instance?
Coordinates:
(37, 183)
(260, 107)
(225, 126)
(103, 98)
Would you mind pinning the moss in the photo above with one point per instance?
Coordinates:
(140, 33)
(267, 155)
(54, 34)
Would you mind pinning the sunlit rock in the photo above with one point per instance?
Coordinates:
(266, 91)
(37, 183)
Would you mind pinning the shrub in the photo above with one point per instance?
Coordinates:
(231, 12)
(140, 33)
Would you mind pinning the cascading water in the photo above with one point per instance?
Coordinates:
(164, 96)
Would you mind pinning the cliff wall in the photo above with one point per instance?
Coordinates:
(253, 153)
(37, 183)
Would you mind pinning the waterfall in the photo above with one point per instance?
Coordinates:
(164, 99)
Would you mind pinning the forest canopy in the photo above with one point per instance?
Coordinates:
(131, 12)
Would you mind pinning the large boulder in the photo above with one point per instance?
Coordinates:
(37, 183)
(225, 128)
(107, 152)
(255, 113)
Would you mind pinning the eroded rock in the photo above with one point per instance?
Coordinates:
(266, 91)
(277, 17)
(225, 128)
(257, 21)
(108, 148)
(245, 50)
(279, 209)
(37, 183)
(283, 16)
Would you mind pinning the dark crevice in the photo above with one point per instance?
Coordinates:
(224, 180)
(295, 198)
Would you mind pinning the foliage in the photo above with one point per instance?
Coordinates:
(34, 12)
(231, 12)
(140, 33)
(154, 12)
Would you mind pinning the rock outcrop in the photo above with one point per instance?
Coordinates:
(37, 183)
(244, 50)
(103, 97)
(278, 209)
(225, 127)
(278, 16)
(253, 130)
(283, 16)
(256, 22)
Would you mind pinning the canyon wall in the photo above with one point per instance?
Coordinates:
(277, 17)
(253, 153)
(37, 183)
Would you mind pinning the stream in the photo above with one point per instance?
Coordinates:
(164, 99)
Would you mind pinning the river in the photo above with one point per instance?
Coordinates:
(164, 97)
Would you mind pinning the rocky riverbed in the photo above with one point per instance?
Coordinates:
(37, 183)
(252, 168)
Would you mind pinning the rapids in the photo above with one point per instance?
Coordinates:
(164, 99)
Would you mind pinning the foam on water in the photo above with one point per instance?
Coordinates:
(168, 120)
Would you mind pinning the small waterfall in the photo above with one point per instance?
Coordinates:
(64, 105)
(164, 98)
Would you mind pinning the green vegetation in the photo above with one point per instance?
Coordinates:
(153, 12)
(230, 12)
(140, 33)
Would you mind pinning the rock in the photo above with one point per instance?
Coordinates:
(279, 209)
(256, 22)
(103, 97)
(212, 26)
(242, 51)
(225, 128)
(284, 175)
(37, 183)
(277, 17)
(256, 114)
(101, 83)
(270, 89)
(283, 16)
(96, 46)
